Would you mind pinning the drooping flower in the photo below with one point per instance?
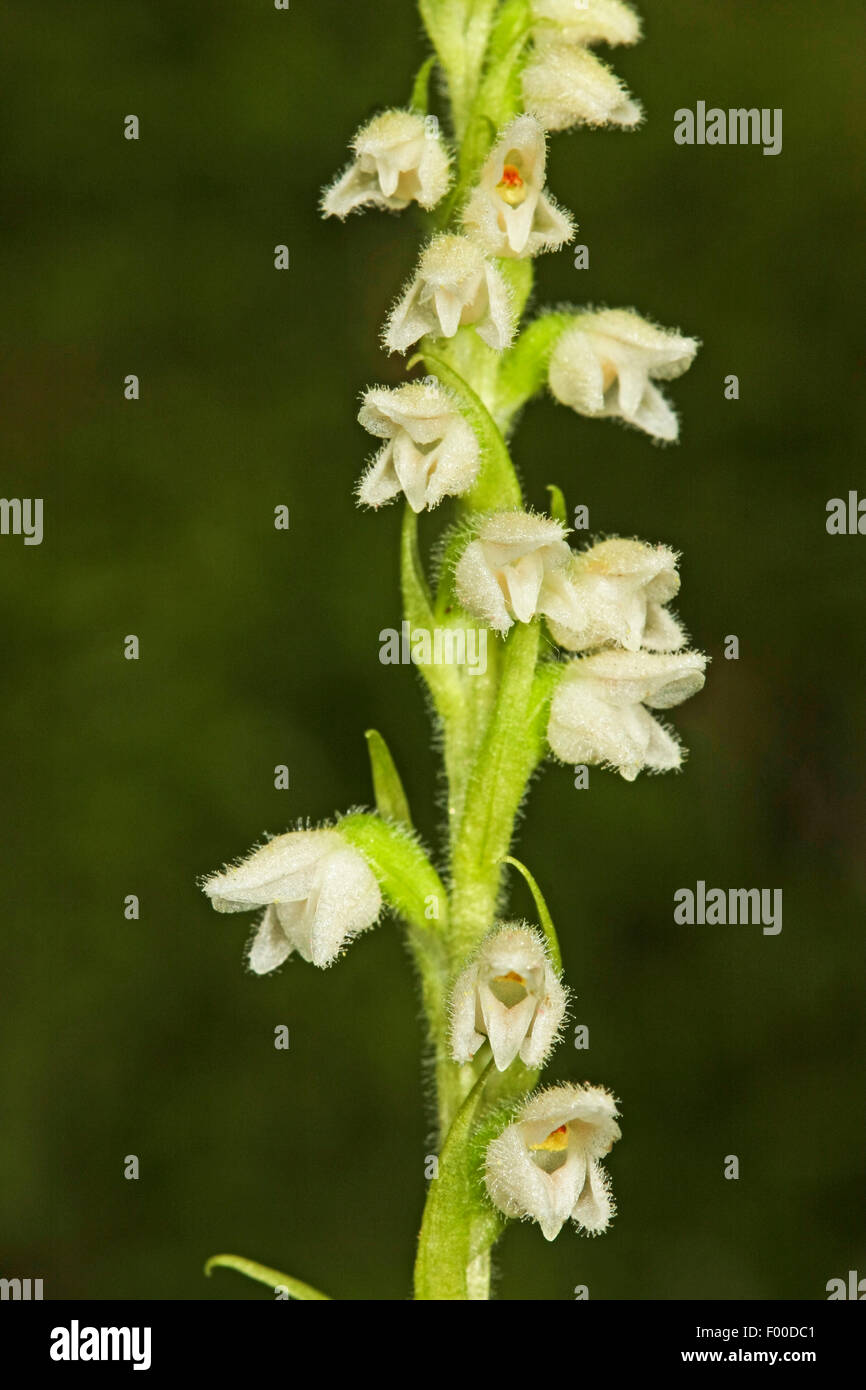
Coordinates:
(454, 284)
(398, 160)
(566, 85)
(614, 593)
(430, 450)
(502, 576)
(593, 21)
(606, 364)
(600, 709)
(546, 1165)
(317, 890)
(509, 212)
(511, 995)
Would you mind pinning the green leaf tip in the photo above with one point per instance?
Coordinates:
(544, 917)
(391, 801)
(262, 1274)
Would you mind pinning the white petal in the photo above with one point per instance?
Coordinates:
(465, 1039)
(594, 1208)
(506, 1028)
(566, 85)
(575, 373)
(347, 902)
(270, 946)
(284, 868)
(478, 590)
(598, 21)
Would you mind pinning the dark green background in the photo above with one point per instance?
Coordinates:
(260, 647)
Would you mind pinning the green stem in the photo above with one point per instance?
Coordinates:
(458, 1227)
(508, 754)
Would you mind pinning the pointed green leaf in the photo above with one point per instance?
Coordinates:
(420, 98)
(263, 1275)
(391, 802)
(558, 509)
(544, 917)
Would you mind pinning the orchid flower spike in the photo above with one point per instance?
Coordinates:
(546, 1166)
(509, 212)
(399, 159)
(606, 365)
(317, 890)
(504, 575)
(430, 450)
(614, 594)
(511, 995)
(455, 284)
(599, 713)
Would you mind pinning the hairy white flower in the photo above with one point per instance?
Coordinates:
(509, 212)
(613, 593)
(430, 452)
(503, 575)
(566, 85)
(593, 21)
(600, 709)
(511, 995)
(605, 364)
(546, 1165)
(397, 160)
(318, 891)
(455, 284)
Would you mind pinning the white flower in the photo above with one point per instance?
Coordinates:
(503, 576)
(431, 451)
(317, 891)
(606, 362)
(546, 1165)
(566, 85)
(509, 213)
(614, 592)
(455, 284)
(600, 709)
(593, 21)
(511, 995)
(397, 160)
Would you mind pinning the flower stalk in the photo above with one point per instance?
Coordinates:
(579, 646)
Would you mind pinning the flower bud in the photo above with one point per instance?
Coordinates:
(565, 85)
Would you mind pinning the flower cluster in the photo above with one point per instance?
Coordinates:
(586, 647)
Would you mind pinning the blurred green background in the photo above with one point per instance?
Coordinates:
(260, 647)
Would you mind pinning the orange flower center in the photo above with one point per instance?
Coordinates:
(511, 187)
(555, 1142)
